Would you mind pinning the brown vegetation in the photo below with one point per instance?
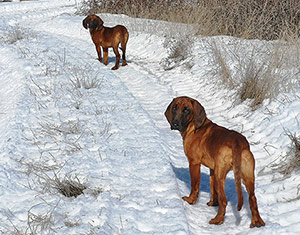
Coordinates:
(261, 19)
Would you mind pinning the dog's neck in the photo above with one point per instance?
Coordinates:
(98, 29)
(191, 129)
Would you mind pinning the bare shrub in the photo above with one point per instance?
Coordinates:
(169, 10)
(261, 19)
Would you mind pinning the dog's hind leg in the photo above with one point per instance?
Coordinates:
(123, 48)
(220, 173)
(237, 158)
(247, 171)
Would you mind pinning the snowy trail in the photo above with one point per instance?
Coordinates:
(126, 148)
(156, 193)
(154, 94)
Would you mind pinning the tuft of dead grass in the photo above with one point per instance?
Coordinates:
(293, 162)
(67, 185)
(290, 163)
(14, 35)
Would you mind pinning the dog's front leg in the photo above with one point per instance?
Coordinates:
(98, 49)
(195, 182)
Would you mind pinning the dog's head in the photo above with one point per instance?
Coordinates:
(92, 22)
(184, 110)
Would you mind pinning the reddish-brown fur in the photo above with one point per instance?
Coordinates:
(106, 37)
(219, 149)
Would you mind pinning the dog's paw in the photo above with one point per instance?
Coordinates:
(257, 222)
(212, 203)
(190, 200)
(217, 220)
(114, 68)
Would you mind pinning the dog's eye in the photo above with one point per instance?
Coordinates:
(186, 110)
(174, 107)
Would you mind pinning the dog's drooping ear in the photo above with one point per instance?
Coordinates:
(199, 115)
(85, 22)
(168, 112)
(99, 23)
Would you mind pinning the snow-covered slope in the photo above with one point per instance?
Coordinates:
(63, 114)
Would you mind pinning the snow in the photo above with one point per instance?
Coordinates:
(63, 114)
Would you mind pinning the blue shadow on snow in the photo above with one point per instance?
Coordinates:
(183, 174)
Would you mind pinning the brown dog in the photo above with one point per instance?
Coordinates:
(219, 149)
(106, 37)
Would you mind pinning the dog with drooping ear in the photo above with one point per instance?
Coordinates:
(106, 37)
(217, 148)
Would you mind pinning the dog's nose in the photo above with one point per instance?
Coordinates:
(175, 125)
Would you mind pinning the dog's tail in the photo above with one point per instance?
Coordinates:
(237, 159)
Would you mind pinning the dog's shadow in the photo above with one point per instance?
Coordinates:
(183, 174)
(112, 60)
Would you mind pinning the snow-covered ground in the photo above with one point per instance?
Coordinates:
(66, 116)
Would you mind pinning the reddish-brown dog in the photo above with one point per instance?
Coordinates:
(219, 149)
(106, 37)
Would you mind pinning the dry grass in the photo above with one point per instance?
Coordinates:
(257, 83)
(67, 186)
(261, 19)
(289, 163)
(220, 64)
(13, 35)
(256, 71)
(83, 77)
(293, 161)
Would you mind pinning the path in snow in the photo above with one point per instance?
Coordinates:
(142, 91)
